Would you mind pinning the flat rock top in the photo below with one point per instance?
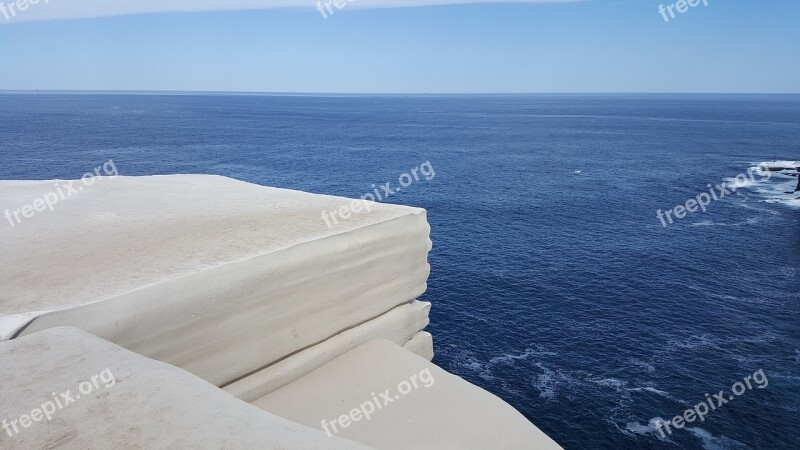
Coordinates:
(122, 233)
(99, 395)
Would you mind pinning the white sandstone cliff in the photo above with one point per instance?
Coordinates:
(247, 288)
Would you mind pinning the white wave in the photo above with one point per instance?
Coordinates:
(749, 206)
(793, 203)
(650, 389)
(546, 384)
(610, 382)
(711, 442)
(528, 353)
(763, 338)
(467, 360)
(750, 299)
(744, 182)
(693, 342)
(480, 368)
(550, 382)
(650, 429)
(721, 296)
(779, 164)
(777, 188)
(657, 392)
(710, 223)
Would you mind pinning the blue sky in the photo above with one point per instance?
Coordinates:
(588, 46)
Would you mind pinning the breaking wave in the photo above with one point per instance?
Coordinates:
(778, 188)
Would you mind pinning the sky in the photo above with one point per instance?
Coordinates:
(402, 46)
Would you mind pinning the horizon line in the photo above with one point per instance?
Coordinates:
(291, 93)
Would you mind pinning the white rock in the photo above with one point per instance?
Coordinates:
(442, 412)
(210, 274)
(398, 325)
(421, 344)
(136, 403)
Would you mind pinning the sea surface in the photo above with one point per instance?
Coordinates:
(554, 283)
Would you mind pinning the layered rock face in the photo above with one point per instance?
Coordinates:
(234, 290)
(243, 285)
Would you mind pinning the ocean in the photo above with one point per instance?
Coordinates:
(555, 284)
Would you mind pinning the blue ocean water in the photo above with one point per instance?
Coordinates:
(554, 284)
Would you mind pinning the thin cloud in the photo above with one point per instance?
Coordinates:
(76, 9)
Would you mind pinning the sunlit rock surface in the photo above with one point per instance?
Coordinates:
(400, 325)
(136, 402)
(216, 276)
(414, 404)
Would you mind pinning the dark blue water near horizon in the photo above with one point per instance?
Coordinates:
(554, 284)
